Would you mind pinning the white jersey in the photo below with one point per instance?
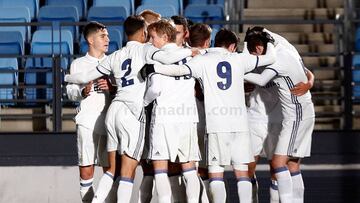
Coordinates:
(265, 105)
(221, 74)
(290, 71)
(125, 64)
(94, 105)
(175, 101)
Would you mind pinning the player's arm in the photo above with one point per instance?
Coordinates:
(153, 90)
(262, 60)
(74, 90)
(103, 69)
(167, 57)
(261, 79)
(301, 88)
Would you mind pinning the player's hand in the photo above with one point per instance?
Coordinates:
(194, 52)
(300, 89)
(86, 91)
(249, 87)
(146, 70)
(102, 84)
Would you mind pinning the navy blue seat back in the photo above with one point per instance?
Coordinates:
(166, 11)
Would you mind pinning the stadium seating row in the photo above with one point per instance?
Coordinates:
(51, 39)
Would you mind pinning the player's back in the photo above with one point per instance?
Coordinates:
(125, 65)
(291, 71)
(221, 75)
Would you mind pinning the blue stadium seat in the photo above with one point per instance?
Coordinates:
(178, 4)
(114, 44)
(11, 42)
(16, 14)
(57, 14)
(33, 5)
(356, 91)
(166, 11)
(80, 5)
(202, 13)
(109, 14)
(9, 78)
(217, 2)
(129, 5)
(42, 44)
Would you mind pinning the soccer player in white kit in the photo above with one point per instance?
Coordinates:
(90, 125)
(298, 119)
(265, 116)
(174, 118)
(125, 117)
(221, 73)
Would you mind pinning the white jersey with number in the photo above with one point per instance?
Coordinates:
(221, 74)
(289, 71)
(176, 100)
(125, 64)
(96, 103)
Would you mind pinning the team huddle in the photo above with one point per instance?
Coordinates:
(177, 107)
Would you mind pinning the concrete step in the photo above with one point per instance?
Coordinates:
(292, 13)
(295, 4)
(313, 61)
(299, 28)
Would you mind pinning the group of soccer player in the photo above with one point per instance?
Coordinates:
(175, 106)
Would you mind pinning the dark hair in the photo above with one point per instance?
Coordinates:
(224, 38)
(253, 41)
(133, 24)
(199, 33)
(92, 27)
(180, 20)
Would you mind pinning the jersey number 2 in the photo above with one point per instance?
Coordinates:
(224, 72)
(126, 66)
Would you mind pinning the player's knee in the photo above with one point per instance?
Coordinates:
(216, 169)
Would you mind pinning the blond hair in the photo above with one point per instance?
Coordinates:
(164, 27)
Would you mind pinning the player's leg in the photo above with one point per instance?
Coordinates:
(162, 183)
(147, 182)
(86, 161)
(204, 184)
(192, 181)
(241, 157)
(218, 155)
(254, 183)
(127, 175)
(106, 180)
(177, 186)
(297, 180)
(273, 190)
(283, 177)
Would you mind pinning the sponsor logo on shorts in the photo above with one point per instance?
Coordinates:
(214, 159)
(157, 153)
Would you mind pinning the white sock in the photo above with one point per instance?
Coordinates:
(204, 189)
(104, 187)
(192, 186)
(163, 188)
(274, 192)
(112, 196)
(298, 187)
(86, 190)
(283, 178)
(146, 189)
(255, 187)
(125, 190)
(178, 190)
(244, 189)
(217, 189)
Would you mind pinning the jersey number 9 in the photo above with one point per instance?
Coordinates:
(224, 72)
(126, 66)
